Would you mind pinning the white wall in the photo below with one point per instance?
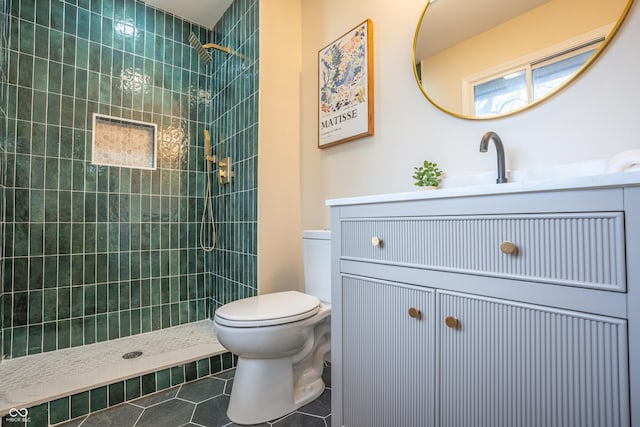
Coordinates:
(595, 117)
(279, 221)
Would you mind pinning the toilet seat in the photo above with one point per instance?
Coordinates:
(268, 310)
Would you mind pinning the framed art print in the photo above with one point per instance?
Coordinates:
(345, 87)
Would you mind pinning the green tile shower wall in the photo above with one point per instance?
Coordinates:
(4, 41)
(94, 252)
(234, 129)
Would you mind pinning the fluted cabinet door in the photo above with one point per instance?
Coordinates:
(388, 354)
(509, 364)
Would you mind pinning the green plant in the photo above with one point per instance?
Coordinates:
(427, 175)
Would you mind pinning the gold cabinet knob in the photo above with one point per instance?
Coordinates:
(452, 322)
(415, 313)
(508, 248)
(376, 241)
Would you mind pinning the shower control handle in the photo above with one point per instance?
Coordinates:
(224, 172)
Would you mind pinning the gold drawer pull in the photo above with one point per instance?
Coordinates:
(508, 248)
(452, 322)
(414, 313)
(376, 241)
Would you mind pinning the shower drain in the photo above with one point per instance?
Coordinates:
(132, 355)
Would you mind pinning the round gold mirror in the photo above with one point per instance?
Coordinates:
(492, 58)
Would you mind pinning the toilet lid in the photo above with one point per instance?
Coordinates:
(268, 310)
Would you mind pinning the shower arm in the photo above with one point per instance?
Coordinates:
(217, 47)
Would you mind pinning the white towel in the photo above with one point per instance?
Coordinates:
(626, 161)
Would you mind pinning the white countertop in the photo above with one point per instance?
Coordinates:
(556, 184)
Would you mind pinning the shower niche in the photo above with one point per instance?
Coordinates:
(124, 143)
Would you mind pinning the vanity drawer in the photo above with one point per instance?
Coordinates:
(583, 249)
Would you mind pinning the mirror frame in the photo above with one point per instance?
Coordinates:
(561, 88)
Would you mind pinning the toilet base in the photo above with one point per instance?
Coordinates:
(272, 396)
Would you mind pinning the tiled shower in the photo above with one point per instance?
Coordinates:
(93, 253)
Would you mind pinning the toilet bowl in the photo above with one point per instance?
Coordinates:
(281, 339)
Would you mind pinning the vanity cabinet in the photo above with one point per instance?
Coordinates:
(508, 364)
(388, 363)
(502, 310)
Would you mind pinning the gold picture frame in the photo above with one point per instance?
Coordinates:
(345, 87)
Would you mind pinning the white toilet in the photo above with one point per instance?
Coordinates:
(281, 340)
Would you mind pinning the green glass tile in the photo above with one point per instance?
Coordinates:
(89, 259)
(77, 247)
(77, 332)
(95, 28)
(42, 12)
(35, 309)
(107, 8)
(55, 47)
(66, 111)
(64, 303)
(24, 103)
(50, 309)
(125, 323)
(155, 318)
(77, 301)
(145, 320)
(114, 325)
(80, 404)
(135, 322)
(69, 52)
(98, 399)
(20, 307)
(39, 415)
(94, 77)
(64, 261)
(148, 384)
(66, 146)
(83, 23)
(36, 266)
(36, 206)
(114, 271)
(64, 333)
(89, 329)
(50, 337)
(51, 264)
(82, 55)
(133, 388)
(203, 368)
(64, 230)
(215, 362)
(59, 410)
(102, 328)
(163, 379)
(52, 150)
(19, 341)
(190, 371)
(177, 375)
(227, 361)
(27, 32)
(21, 241)
(116, 393)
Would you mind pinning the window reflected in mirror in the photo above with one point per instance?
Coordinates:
(511, 90)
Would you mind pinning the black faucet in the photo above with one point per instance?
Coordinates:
(484, 144)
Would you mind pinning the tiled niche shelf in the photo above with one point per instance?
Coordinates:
(123, 142)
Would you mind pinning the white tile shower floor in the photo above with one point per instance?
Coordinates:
(31, 380)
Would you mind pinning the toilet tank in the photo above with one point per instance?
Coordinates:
(316, 249)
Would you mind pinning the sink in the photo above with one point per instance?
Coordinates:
(537, 173)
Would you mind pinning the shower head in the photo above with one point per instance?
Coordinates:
(202, 52)
(202, 49)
